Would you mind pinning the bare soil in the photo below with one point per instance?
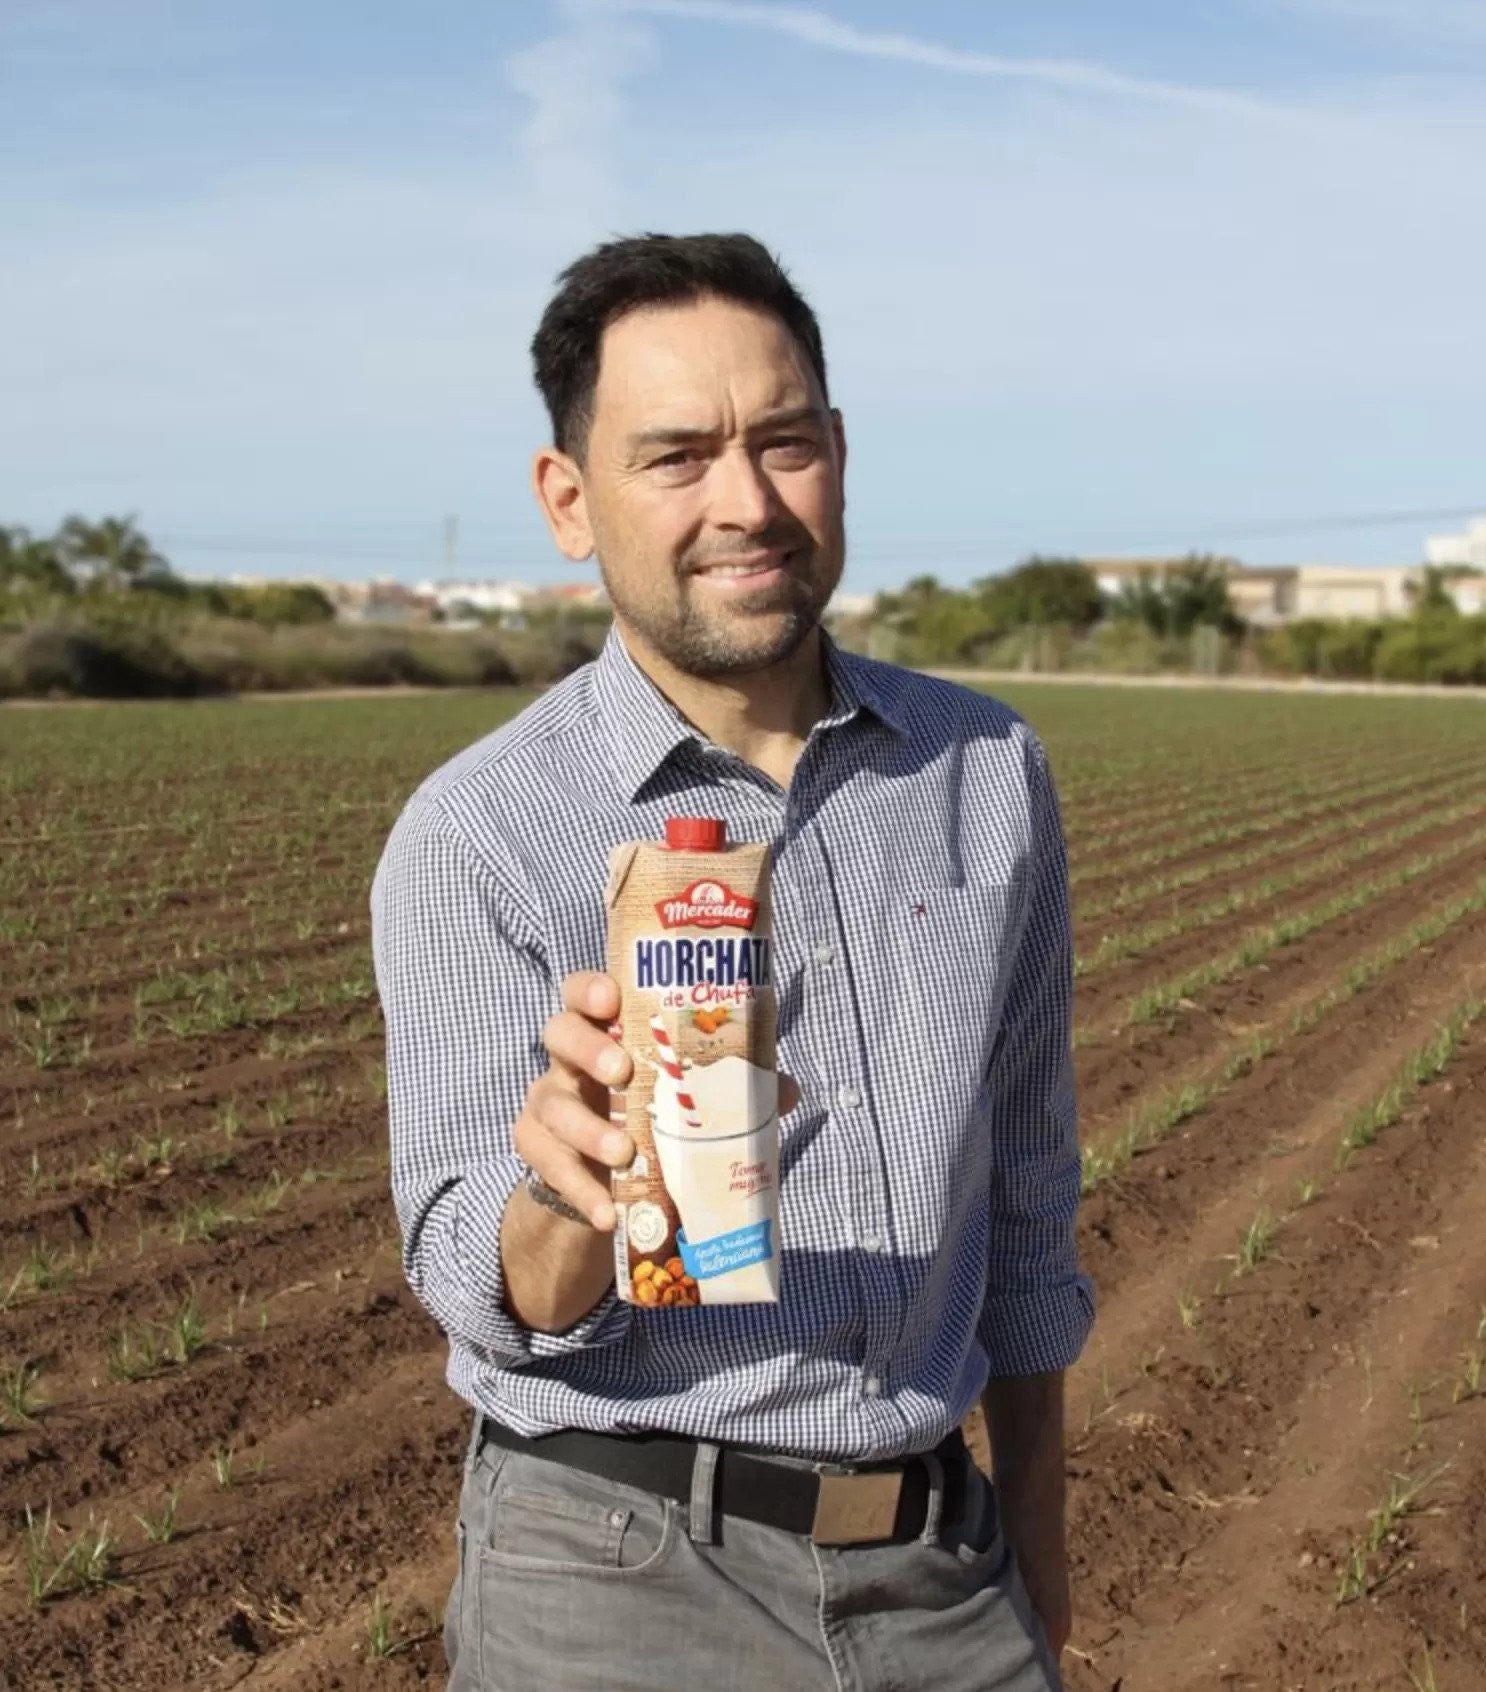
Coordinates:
(192, 1127)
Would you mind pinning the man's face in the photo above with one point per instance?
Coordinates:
(712, 486)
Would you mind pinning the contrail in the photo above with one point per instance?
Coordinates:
(819, 29)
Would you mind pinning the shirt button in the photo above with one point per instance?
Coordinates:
(871, 1386)
(848, 1098)
(825, 953)
(871, 1242)
(616, 1518)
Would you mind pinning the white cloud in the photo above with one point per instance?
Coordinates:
(1075, 309)
(820, 29)
(574, 80)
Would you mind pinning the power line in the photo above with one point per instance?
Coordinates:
(330, 551)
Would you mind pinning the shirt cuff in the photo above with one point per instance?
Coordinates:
(1039, 1331)
(480, 1206)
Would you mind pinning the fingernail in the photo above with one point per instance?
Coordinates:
(615, 1145)
(602, 1217)
(612, 1066)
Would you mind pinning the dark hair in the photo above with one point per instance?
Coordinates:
(646, 270)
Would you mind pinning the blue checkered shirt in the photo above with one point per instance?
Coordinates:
(930, 1177)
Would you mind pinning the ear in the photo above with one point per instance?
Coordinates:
(557, 482)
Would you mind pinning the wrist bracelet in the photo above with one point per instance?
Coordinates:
(550, 1199)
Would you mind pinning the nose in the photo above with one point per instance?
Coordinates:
(743, 497)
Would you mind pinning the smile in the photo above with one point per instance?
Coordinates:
(759, 569)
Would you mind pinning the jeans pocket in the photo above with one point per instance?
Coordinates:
(979, 1545)
(544, 1517)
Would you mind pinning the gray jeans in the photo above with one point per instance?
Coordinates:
(572, 1583)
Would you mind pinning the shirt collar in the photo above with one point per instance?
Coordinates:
(645, 728)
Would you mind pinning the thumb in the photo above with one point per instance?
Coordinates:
(789, 1094)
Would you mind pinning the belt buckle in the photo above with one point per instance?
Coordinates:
(854, 1508)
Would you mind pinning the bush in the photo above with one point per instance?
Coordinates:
(64, 656)
(1434, 648)
(1315, 646)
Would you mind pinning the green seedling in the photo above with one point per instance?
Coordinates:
(185, 1333)
(54, 1565)
(1256, 1243)
(1424, 1680)
(134, 1354)
(46, 1269)
(161, 1529)
(383, 1638)
(36, 1177)
(200, 1222)
(19, 1400)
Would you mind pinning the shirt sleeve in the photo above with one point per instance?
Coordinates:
(466, 992)
(1039, 1307)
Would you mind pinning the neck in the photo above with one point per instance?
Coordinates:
(764, 717)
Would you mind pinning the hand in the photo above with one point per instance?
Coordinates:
(1049, 1591)
(564, 1131)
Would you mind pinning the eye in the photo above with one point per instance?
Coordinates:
(792, 449)
(674, 460)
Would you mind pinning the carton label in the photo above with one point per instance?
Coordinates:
(708, 904)
(689, 944)
(662, 962)
(728, 1251)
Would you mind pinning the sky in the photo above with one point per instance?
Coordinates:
(1114, 276)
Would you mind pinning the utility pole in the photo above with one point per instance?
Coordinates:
(451, 545)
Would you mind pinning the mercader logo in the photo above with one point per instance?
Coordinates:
(708, 904)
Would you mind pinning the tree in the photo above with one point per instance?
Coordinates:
(1432, 597)
(1042, 591)
(276, 603)
(28, 563)
(1190, 594)
(111, 553)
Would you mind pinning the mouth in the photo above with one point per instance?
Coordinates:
(753, 570)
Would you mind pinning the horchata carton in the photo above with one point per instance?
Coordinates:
(690, 946)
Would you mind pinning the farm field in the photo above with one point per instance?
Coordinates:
(226, 1450)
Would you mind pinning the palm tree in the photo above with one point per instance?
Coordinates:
(26, 562)
(111, 553)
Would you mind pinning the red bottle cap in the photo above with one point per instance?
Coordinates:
(696, 834)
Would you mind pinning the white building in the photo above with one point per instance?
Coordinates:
(502, 598)
(852, 605)
(1468, 548)
(1355, 590)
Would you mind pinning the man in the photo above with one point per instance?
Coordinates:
(751, 1496)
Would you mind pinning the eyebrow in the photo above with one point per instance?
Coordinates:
(680, 435)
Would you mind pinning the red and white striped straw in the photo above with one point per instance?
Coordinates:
(672, 1066)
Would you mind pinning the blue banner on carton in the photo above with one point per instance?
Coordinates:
(726, 1252)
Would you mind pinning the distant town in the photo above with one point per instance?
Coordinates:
(1266, 596)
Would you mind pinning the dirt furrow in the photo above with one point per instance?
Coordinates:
(1117, 1068)
(236, 1588)
(1197, 1480)
(1105, 996)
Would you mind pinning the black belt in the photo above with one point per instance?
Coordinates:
(833, 1505)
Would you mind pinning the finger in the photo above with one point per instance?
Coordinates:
(789, 1094)
(574, 1042)
(590, 993)
(568, 1119)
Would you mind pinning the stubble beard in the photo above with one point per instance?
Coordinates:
(756, 632)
